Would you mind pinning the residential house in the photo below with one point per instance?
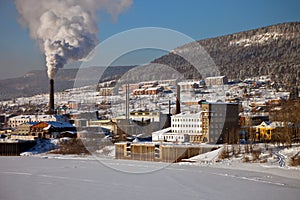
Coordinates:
(264, 131)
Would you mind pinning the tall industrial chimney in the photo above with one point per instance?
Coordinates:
(177, 111)
(51, 97)
(127, 102)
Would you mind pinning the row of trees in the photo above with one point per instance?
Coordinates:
(286, 135)
(290, 116)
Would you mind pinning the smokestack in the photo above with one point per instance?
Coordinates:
(127, 102)
(51, 97)
(178, 100)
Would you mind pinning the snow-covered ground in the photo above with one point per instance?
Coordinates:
(209, 157)
(42, 175)
(271, 159)
(268, 162)
(38, 178)
(42, 146)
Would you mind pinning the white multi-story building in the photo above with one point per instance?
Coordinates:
(14, 122)
(167, 135)
(185, 127)
(186, 123)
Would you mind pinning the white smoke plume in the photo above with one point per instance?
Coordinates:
(65, 29)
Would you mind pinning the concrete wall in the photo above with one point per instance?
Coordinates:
(157, 152)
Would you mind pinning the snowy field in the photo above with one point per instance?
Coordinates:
(43, 178)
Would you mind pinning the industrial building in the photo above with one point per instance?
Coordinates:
(219, 121)
(209, 125)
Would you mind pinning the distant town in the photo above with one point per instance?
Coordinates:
(159, 120)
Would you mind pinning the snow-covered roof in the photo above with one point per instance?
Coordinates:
(40, 117)
(215, 77)
(47, 128)
(60, 124)
(139, 90)
(71, 132)
(153, 88)
(187, 114)
(163, 131)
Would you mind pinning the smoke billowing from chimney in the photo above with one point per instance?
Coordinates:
(66, 30)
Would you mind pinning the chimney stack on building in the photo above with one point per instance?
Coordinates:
(177, 100)
(51, 97)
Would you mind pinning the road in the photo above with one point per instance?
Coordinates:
(281, 159)
(35, 178)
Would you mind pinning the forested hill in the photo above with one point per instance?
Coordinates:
(37, 82)
(273, 50)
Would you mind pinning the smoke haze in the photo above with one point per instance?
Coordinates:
(66, 30)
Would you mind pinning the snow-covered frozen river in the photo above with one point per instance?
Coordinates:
(36, 178)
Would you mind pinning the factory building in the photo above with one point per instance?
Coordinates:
(219, 121)
(214, 124)
(185, 127)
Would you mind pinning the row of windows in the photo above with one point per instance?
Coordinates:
(186, 125)
(18, 121)
(195, 138)
(24, 121)
(30, 134)
(143, 113)
(186, 131)
(216, 114)
(23, 130)
(171, 137)
(186, 120)
(220, 120)
(204, 123)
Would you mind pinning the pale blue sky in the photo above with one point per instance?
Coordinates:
(198, 19)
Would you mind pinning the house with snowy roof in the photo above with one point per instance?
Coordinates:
(53, 129)
(15, 121)
(47, 129)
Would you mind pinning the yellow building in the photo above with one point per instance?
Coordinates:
(264, 132)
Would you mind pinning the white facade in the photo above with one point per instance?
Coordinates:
(152, 116)
(185, 127)
(186, 123)
(14, 122)
(167, 136)
(171, 137)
